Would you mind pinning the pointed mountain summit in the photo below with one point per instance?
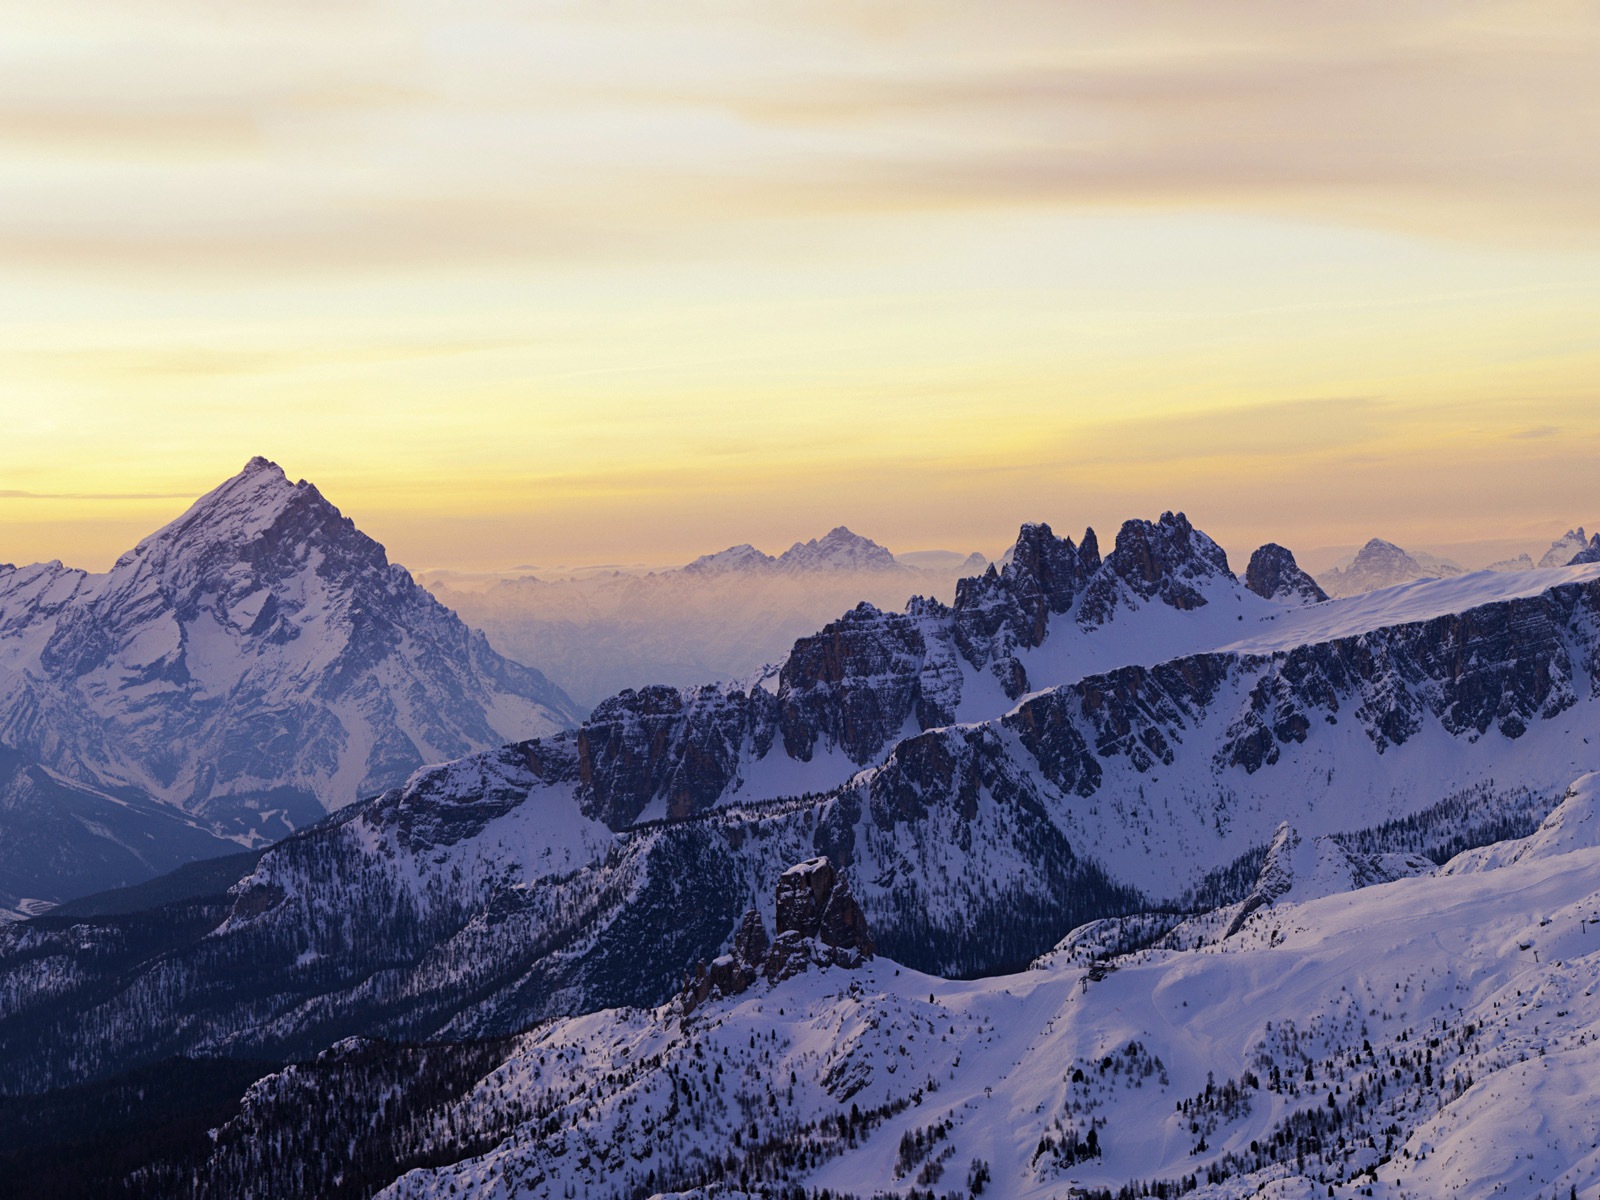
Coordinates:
(743, 557)
(838, 550)
(254, 663)
(1574, 541)
(1379, 564)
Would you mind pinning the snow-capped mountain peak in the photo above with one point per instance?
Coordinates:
(1588, 554)
(838, 550)
(743, 557)
(1381, 564)
(235, 511)
(254, 663)
(1574, 541)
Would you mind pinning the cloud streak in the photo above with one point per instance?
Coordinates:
(422, 136)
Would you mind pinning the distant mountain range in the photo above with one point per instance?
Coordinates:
(237, 674)
(1381, 564)
(721, 618)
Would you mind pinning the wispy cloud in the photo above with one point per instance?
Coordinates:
(423, 136)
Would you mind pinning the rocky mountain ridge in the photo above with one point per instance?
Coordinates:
(251, 665)
(544, 878)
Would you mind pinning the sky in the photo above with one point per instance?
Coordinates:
(518, 283)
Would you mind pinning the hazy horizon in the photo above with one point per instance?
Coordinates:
(1471, 554)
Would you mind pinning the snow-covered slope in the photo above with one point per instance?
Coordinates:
(1435, 1036)
(255, 663)
(1268, 991)
(61, 838)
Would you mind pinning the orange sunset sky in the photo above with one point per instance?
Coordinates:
(580, 282)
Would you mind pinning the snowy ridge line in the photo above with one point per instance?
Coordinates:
(1414, 602)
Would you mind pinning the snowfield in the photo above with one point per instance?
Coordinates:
(1429, 1037)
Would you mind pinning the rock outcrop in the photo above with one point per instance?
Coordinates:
(1589, 554)
(681, 748)
(819, 923)
(1298, 869)
(1166, 561)
(1274, 575)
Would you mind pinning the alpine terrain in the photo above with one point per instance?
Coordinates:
(1119, 875)
(251, 666)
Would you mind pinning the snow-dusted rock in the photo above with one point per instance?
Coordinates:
(253, 664)
(1574, 824)
(1299, 869)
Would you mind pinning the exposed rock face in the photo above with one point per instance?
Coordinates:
(1274, 574)
(871, 678)
(1500, 666)
(1574, 541)
(1011, 606)
(1589, 554)
(803, 892)
(682, 748)
(819, 922)
(750, 944)
(1154, 560)
(854, 684)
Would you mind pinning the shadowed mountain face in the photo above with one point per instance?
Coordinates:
(60, 838)
(254, 664)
